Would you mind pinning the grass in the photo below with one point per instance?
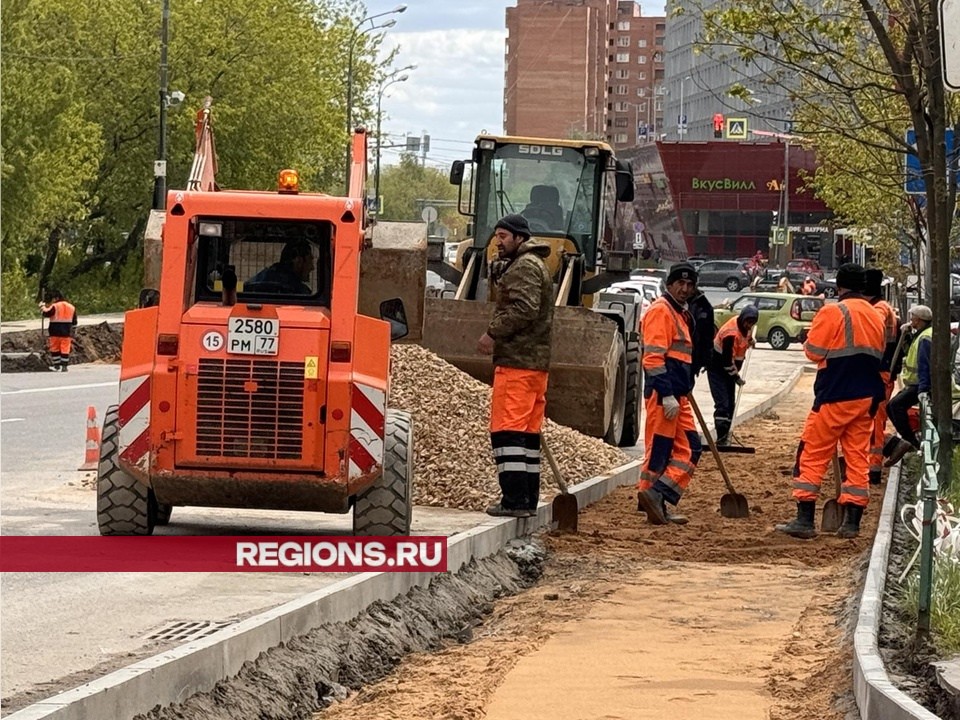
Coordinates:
(945, 613)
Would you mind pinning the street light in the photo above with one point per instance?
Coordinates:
(354, 34)
(387, 81)
(682, 119)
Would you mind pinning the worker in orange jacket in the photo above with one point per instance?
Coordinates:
(730, 347)
(846, 340)
(671, 442)
(891, 333)
(62, 320)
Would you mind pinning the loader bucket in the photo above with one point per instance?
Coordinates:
(395, 266)
(585, 359)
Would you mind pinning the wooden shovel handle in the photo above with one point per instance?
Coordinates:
(713, 446)
(553, 465)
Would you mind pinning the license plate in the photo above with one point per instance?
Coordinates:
(253, 336)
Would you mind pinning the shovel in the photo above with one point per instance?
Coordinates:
(832, 516)
(565, 508)
(732, 504)
(743, 449)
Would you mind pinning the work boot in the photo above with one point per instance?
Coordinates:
(674, 517)
(53, 368)
(802, 526)
(852, 514)
(901, 449)
(651, 502)
(498, 510)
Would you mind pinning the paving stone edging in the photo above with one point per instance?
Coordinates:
(877, 697)
(177, 674)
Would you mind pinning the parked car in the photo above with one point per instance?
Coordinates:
(648, 288)
(804, 266)
(696, 260)
(729, 274)
(784, 318)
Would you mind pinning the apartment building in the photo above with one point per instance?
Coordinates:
(583, 68)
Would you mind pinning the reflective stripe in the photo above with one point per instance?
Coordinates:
(662, 370)
(665, 479)
(855, 350)
(858, 491)
(681, 347)
(847, 325)
(686, 467)
(647, 475)
(511, 466)
(654, 350)
(809, 487)
(510, 450)
(816, 349)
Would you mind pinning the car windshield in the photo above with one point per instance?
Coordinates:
(278, 261)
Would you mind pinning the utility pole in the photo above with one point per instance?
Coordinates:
(160, 167)
(786, 201)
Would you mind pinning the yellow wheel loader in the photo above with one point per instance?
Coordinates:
(571, 192)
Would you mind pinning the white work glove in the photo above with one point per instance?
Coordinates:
(905, 327)
(732, 370)
(924, 397)
(671, 407)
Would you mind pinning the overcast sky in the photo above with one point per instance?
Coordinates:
(457, 89)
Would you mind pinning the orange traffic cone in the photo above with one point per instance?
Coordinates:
(92, 455)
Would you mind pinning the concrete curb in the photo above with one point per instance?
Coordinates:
(173, 676)
(762, 407)
(877, 697)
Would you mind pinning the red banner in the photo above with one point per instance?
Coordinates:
(40, 553)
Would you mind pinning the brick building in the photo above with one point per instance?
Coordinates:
(583, 68)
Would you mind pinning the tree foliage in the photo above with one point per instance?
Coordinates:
(80, 122)
(408, 186)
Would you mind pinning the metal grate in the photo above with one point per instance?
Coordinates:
(250, 409)
(184, 631)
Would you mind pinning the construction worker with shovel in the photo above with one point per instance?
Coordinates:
(846, 340)
(62, 317)
(518, 337)
(671, 447)
(730, 347)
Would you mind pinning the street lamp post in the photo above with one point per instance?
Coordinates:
(682, 120)
(386, 82)
(354, 34)
(160, 167)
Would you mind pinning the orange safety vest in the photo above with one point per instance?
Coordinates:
(846, 340)
(667, 349)
(741, 343)
(63, 316)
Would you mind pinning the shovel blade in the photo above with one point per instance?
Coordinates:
(832, 517)
(734, 505)
(566, 513)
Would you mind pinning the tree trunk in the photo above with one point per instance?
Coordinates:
(49, 260)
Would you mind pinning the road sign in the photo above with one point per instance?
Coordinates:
(913, 174)
(429, 214)
(950, 43)
(736, 128)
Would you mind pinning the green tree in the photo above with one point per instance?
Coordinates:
(407, 186)
(862, 70)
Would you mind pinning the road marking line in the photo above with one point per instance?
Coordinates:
(60, 388)
(12, 420)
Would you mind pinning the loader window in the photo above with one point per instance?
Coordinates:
(278, 261)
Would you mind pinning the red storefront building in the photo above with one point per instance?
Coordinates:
(721, 199)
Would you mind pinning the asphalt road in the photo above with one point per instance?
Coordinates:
(56, 624)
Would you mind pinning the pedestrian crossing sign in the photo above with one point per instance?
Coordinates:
(736, 128)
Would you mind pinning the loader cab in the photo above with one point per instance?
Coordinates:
(283, 262)
(565, 189)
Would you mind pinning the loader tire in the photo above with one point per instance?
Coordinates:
(631, 416)
(124, 505)
(618, 410)
(385, 508)
(163, 513)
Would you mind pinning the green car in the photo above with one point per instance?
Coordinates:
(784, 318)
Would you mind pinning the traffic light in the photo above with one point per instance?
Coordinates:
(718, 125)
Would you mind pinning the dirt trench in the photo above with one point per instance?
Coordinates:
(26, 350)
(719, 619)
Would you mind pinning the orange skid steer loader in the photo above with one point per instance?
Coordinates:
(250, 380)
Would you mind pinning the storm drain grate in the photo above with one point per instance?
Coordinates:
(184, 631)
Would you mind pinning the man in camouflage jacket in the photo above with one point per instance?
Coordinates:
(518, 337)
